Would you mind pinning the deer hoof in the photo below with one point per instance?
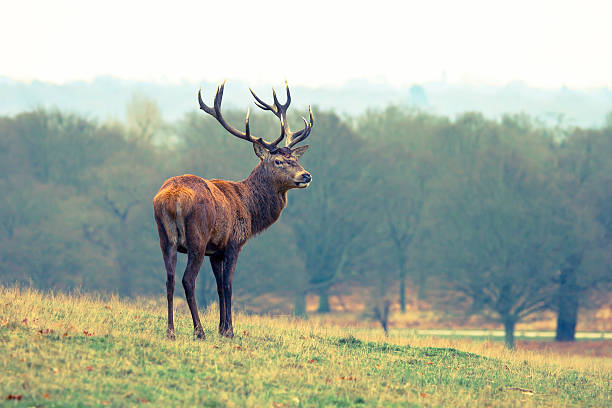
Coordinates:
(199, 334)
(170, 335)
(229, 333)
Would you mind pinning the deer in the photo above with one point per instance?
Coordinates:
(216, 218)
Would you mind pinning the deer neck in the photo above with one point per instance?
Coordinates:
(266, 200)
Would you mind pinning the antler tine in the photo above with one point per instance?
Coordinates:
(261, 104)
(215, 112)
(297, 137)
(219, 97)
(288, 95)
(276, 102)
(203, 106)
(277, 108)
(246, 122)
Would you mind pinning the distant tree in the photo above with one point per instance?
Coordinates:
(120, 220)
(30, 251)
(330, 218)
(56, 148)
(47, 155)
(143, 119)
(585, 177)
(405, 150)
(497, 222)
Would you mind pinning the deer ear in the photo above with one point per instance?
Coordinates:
(299, 151)
(260, 151)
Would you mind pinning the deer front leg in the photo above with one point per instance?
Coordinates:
(194, 262)
(216, 261)
(229, 264)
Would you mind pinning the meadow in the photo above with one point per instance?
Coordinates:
(87, 350)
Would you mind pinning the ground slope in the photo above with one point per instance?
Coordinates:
(58, 350)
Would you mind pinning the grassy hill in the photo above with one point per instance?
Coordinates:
(83, 350)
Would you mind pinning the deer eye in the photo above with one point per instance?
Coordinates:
(278, 162)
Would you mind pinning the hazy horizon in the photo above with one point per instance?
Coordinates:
(108, 96)
(347, 82)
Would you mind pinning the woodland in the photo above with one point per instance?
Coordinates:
(497, 217)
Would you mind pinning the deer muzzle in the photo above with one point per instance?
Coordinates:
(304, 180)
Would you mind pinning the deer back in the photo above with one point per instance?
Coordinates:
(214, 211)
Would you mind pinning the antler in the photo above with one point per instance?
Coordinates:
(215, 112)
(280, 110)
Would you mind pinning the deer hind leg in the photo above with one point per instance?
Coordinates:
(194, 262)
(170, 263)
(168, 248)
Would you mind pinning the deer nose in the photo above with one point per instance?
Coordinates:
(306, 177)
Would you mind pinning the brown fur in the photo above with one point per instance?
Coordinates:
(172, 196)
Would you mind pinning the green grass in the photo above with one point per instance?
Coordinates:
(58, 350)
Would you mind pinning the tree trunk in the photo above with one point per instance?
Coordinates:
(567, 306)
(417, 296)
(127, 278)
(509, 332)
(419, 287)
(566, 327)
(567, 316)
(401, 263)
(324, 301)
(299, 305)
(402, 292)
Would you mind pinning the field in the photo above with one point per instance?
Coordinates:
(82, 350)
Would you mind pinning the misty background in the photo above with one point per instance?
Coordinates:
(106, 98)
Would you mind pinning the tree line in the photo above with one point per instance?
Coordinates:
(502, 218)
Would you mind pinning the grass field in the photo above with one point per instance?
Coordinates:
(80, 350)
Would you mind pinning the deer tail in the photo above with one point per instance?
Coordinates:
(171, 205)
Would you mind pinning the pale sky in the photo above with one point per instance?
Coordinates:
(543, 43)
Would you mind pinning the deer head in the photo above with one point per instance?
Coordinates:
(280, 163)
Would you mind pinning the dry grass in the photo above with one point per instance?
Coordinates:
(84, 350)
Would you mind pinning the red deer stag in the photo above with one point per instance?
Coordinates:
(216, 218)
